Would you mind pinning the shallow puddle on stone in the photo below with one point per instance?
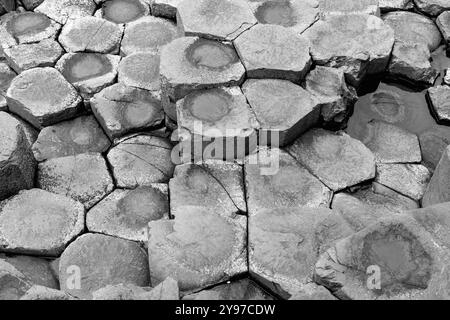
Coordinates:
(211, 54)
(280, 13)
(28, 23)
(122, 11)
(85, 66)
(210, 105)
(138, 113)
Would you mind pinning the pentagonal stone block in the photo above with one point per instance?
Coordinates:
(443, 23)
(83, 177)
(14, 283)
(63, 10)
(343, 7)
(284, 110)
(121, 109)
(271, 51)
(81, 135)
(102, 260)
(126, 213)
(123, 11)
(141, 70)
(439, 98)
(289, 185)
(432, 7)
(43, 97)
(38, 222)
(219, 121)
(141, 161)
(199, 248)
(438, 190)
(6, 76)
(369, 34)
(44, 293)
(336, 159)
(284, 244)
(91, 34)
(215, 19)
(148, 34)
(89, 72)
(165, 8)
(16, 166)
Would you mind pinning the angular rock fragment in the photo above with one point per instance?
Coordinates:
(83, 177)
(31, 4)
(14, 283)
(91, 34)
(81, 135)
(439, 98)
(432, 7)
(199, 248)
(6, 76)
(141, 161)
(148, 34)
(44, 293)
(271, 51)
(443, 23)
(123, 11)
(433, 143)
(215, 19)
(338, 160)
(43, 97)
(126, 213)
(284, 245)
(164, 8)
(89, 72)
(63, 10)
(438, 190)
(99, 260)
(38, 222)
(141, 70)
(345, 7)
(394, 5)
(368, 52)
(284, 110)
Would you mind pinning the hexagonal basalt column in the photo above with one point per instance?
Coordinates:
(62, 10)
(141, 70)
(122, 11)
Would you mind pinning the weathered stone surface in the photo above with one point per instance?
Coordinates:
(148, 34)
(6, 76)
(443, 23)
(83, 177)
(345, 7)
(26, 56)
(447, 77)
(43, 293)
(394, 5)
(311, 291)
(338, 160)
(411, 264)
(220, 121)
(244, 289)
(165, 8)
(439, 99)
(89, 72)
(433, 143)
(43, 97)
(367, 53)
(191, 63)
(141, 161)
(432, 7)
(438, 190)
(271, 51)
(31, 4)
(166, 290)
(391, 144)
(289, 185)
(126, 213)
(91, 34)
(38, 222)
(14, 283)
(214, 19)
(284, 110)
(100, 261)
(199, 248)
(285, 243)
(121, 109)
(17, 165)
(63, 10)
(81, 135)
(141, 70)
(123, 11)
(31, 134)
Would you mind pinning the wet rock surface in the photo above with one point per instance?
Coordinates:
(123, 11)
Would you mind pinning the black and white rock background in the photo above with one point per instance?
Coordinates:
(93, 207)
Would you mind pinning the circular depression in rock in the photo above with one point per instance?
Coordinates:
(84, 66)
(211, 54)
(210, 106)
(27, 23)
(123, 11)
(280, 13)
(388, 106)
(138, 113)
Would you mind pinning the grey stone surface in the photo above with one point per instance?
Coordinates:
(44, 293)
(62, 10)
(439, 99)
(14, 283)
(394, 5)
(122, 11)
(31, 4)
(141, 70)
(165, 8)
(345, 7)
(438, 190)
(443, 23)
(432, 7)
(6, 76)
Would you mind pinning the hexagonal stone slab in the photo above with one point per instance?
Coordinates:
(81, 135)
(165, 8)
(38, 222)
(121, 109)
(43, 293)
(438, 190)
(284, 245)
(83, 177)
(432, 7)
(330, 46)
(91, 34)
(43, 97)
(336, 159)
(439, 99)
(123, 11)
(26, 56)
(271, 51)
(100, 261)
(344, 7)
(148, 34)
(63, 10)
(141, 70)
(126, 213)
(284, 110)
(89, 72)
(6, 76)
(14, 283)
(220, 121)
(290, 185)
(141, 161)
(199, 248)
(215, 19)
(443, 23)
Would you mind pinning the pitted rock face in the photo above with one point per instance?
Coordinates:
(124, 11)
(63, 10)
(211, 54)
(28, 27)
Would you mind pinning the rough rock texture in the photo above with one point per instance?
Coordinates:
(39, 223)
(14, 283)
(164, 8)
(199, 248)
(447, 77)
(141, 70)
(31, 4)
(343, 7)
(438, 190)
(433, 143)
(83, 177)
(336, 159)
(432, 7)
(443, 23)
(311, 291)
(43, 97)
(271, 51)
(99, 261)
(43, 293)
(81, 135)
(439, 98)
(6, 76)
(63, 10)
(394, 5)
(123, 11)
